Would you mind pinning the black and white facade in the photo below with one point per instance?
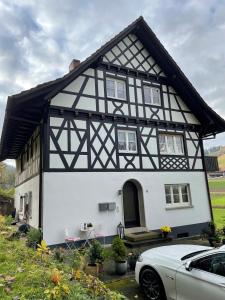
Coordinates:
(118, 139)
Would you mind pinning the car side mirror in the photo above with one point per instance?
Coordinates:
(188, 265)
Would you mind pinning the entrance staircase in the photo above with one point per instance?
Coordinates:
(141, 236)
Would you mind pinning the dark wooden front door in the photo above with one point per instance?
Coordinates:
(131, 205)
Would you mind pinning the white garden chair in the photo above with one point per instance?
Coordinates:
(70, 240)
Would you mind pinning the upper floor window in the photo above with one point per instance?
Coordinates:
(177, 195)
(152, 95)
(127, 141)
(116, 88)
(171, 144)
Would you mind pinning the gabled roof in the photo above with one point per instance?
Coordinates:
(25, 110)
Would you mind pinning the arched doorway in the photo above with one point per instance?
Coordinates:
(131, 205)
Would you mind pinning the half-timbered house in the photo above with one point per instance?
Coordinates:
(117, 139)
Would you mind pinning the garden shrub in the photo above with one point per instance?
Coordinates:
(59, 254)
(8, 220)
(119, 249)
(95, 252)
(25, 276)
(34, 236)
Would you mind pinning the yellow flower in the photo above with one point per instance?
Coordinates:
(77, 275)
(166, 228)
(66, 289)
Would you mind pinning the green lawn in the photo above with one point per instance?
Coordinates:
(216, 183)
(218, 199)
(219, 217)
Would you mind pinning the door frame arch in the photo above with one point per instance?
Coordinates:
(140, 201)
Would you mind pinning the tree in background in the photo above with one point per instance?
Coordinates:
(7, 180)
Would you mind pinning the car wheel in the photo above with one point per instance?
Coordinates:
(151, 285)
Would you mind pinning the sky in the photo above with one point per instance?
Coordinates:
(38, 40)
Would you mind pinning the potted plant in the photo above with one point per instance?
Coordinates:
(165, 230)
(119, 254)
(89, 225)
(213, 235)
(95, 256)
(132, 259)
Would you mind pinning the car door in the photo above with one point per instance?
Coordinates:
(205, 279)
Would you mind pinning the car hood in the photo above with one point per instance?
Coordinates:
(175, 251)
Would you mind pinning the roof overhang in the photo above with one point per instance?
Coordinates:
(23, 114)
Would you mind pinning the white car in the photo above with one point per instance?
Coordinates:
(182, 272)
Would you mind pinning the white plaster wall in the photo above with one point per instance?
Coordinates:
(33, 186)
(72, 198)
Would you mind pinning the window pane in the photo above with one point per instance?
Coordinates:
(213, 264)
(156, 96)
(167, 189)
(122, 140)
(168, 194)
(122, 145)
(168, 199)
(184, 191)
(132, 136)
(132, 146)
(176, 197)
(179, 144)
(185, 198)
(162, 143)
(121, 90)
(147, 94)
(122, 136)
(110, 87)
(170, 144)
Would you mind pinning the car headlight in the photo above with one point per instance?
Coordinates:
(140, 258)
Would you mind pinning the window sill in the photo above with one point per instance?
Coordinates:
(153, 105)
(128, 152)
(178, 207)
(117, 99)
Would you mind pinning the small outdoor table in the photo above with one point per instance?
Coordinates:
(88, 231)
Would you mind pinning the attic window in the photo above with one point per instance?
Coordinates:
(116, 88)
(152, 95)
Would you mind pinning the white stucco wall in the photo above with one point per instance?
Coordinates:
(72, 198)
(33, 186)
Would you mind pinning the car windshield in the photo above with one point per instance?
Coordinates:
(193, 254)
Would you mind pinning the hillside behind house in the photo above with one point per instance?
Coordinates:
(218, 151)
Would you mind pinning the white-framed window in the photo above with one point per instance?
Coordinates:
(116, 88)
(177, 195)
(152, 95)
(172, 144)
(127, 141)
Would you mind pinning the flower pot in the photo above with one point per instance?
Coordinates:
(109, 267)
(165, 234)
(217, 244)
(121, 267)
(132, 263)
